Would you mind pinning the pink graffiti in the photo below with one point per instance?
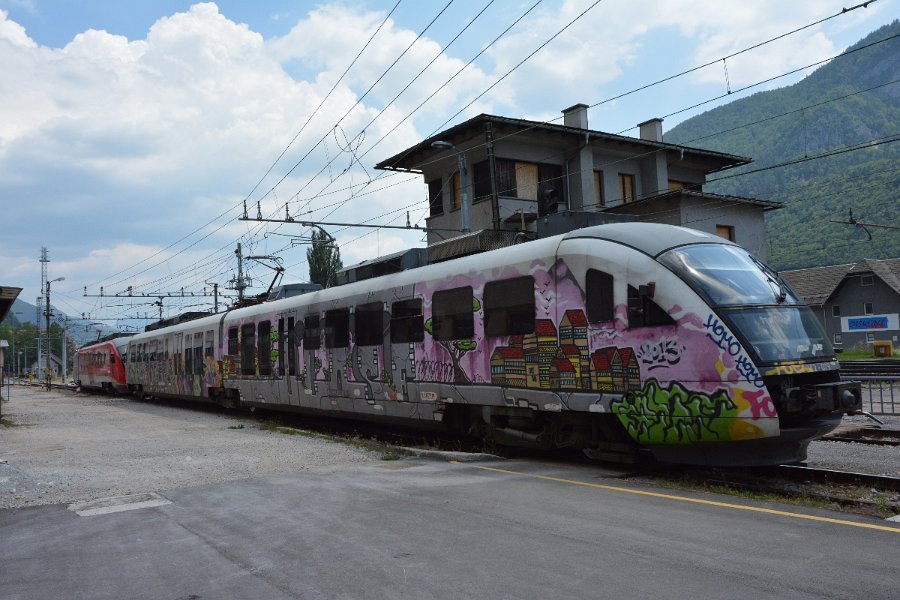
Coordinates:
(760, 404)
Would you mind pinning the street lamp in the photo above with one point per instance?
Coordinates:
(463, 179)
(47, 367)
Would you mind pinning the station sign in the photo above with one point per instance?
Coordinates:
(889, 322)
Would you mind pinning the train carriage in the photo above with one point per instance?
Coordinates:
(613, 339)
(101, 365)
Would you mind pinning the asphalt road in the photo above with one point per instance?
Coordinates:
(428, 529)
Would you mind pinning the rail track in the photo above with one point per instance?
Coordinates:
(870, 368)
(866, 435)
(830, 476)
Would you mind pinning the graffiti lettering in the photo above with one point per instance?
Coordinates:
(749, 371)
(664, 353)
(675, 415)
(716, 332)
(431, 370)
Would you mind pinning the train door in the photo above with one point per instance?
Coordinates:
(407, 328)
(368, 368)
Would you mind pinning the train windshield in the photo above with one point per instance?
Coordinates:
(780, 333)
(728, 276)
(755, 302)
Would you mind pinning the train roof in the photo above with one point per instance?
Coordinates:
(649, 238)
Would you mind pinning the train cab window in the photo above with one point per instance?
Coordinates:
(452, 314)
(599, 296)
(407, 324)
(644, 312)
(369, 326)
(265, 347)
(337, 328)
(292, 347)
(312, 340)
(509, 307)
(248, 349)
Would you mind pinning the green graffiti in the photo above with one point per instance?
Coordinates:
(675, 415)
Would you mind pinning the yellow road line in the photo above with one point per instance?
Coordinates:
(615, 488)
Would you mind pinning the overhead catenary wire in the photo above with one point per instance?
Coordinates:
(369, 184)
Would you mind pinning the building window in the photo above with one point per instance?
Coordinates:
(436, 197)
(725, 231)
(867, 308)
(407, 324)
(626, 187)
(835, 311)
(452, 314)
(369, 326)
(870, 337)
(457, 192)
(838, 339)
(481, 181)
(506, 178)
(867, 280)
(599, 200)
(550, 189)
(509, 307)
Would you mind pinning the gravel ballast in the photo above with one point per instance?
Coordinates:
(66, 447)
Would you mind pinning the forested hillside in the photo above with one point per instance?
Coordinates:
(854, 100)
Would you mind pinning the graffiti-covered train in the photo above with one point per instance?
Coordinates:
(620, 340)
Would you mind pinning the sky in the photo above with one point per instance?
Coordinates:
(131, 133)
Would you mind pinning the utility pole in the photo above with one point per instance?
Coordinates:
(44, 343)
(239, 283)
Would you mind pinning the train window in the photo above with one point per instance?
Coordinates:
(509, 307)
(265, 347)
(280, 349)
(312, 340)
(248, 349)
(233, 341)
(599, 293)
(209, 339)
(407, 324)
(198, 354)
(644, 312)
(188, 356)
(337, 328)
(452, 314)
(369, 327)
(292, 348)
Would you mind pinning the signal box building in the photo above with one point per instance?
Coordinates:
(531, 179)
(857, 303)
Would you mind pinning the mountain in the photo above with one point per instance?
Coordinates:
(850, 101)
(81, 331)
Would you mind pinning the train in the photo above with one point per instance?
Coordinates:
(100, 365)
(624, 340)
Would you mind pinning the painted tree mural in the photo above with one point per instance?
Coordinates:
(456, 349)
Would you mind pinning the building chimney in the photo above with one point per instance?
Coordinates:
(576, 116)
(652, 130)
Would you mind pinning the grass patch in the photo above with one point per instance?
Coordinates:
(862, 354)
(7, 422)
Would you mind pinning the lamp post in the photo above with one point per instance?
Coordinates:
(463, 180)
(47, 311)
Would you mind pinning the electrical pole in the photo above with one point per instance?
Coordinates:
(240, 282)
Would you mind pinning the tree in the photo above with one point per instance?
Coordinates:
(324, 259)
